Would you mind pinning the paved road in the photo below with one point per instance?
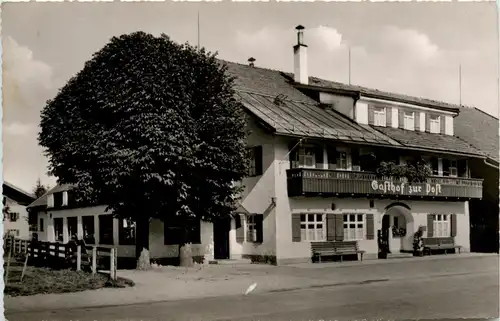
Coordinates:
(464, 295)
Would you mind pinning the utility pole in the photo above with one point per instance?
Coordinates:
(460, 83)
(198, 29)
(349, 65)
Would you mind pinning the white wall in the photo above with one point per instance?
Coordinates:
(448, 129)
(361, 112)
(21, 224)
(342, 104)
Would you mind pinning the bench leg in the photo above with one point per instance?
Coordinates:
(361, 255)
(341, 258)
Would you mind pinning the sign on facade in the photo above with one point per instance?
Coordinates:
(406, 189)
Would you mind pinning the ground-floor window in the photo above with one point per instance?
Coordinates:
(353, 227)
(442, 225)
(13, 232)
(58, 229)
(312, 227)
(106, 229)
(72, 226)
(251, 228)
(88, 226)
(126, 232)
(173, 232)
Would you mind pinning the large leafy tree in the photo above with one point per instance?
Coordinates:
(150, 128)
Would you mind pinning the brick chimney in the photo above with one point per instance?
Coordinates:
(300, 71)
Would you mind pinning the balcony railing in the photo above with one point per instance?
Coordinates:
(322, 181)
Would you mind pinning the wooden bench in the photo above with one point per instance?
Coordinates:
(339, 248)
(440, 243)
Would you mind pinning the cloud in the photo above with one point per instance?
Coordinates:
(19, 129)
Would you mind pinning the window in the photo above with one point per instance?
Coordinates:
(13, 232)
(441, 225)
(312, 227)
(58, 199)
(435, 124)
(42, 226)
(88, 226)
(173, 232)
(379, 118)
(341, 160)
(126, 232)
(251, 228)
(72, 226)
(106, 229)
(409, 120)
(452, 169)
(353, 227)
(58, 229)
(13, 216)
(255, 161)
(306, 157)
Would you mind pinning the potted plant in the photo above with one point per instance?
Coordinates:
(418, 243)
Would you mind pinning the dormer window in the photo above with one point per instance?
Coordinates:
(409, 120)
(435, 124)
(379, 118)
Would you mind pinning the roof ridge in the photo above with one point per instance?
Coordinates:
(19, 189)
(247, 91)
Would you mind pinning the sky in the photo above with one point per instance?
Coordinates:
(409, 48)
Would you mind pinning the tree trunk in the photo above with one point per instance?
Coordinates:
(185, 251)
(142, 244)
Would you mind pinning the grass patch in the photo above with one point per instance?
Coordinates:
(45, 281)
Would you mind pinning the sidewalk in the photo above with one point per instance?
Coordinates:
(174, 283)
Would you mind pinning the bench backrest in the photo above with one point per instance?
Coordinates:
(437, 241)
(338, 246)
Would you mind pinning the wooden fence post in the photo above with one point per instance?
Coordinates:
(78, 258)
(112, 272)
(8, 264)
(94, 260)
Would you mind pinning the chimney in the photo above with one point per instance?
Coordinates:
(251, 61)
(300, 58)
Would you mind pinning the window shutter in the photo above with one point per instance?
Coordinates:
(417, 120)
(442, 123)
(240, 231)
(318, 154)
(370, 231)
(339, 227)
(259, 226)
(446, 167)
(371, 115)
(296, 228)
(427, 122)
(258, 160)
(462, 167)
(332, 156)
(388, 116)
(330, 227)
(401, 118)
(430, 225)
(453, 223)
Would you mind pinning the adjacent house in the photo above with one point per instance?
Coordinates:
(316, 147)
(16, 221)
(481, 131)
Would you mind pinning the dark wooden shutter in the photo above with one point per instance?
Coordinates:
(446, 167)
(258, 160)
(401, 116)
(330, 227)
(332, 155)
(318, 154)
(339, 227)
(240, 231)
(355, 159)
(442, 122)
(259, 226)
(427, 122)
(417, 120)
(430, 225)
(371, 115)
(296, 228)
(370, 230)
(453, 223)
(388, 116)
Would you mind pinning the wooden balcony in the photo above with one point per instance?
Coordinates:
(326, 182)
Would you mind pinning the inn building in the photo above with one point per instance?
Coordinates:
(318, 173)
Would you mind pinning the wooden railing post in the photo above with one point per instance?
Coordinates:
(78, 258)
(20, 246)
(112, 270)
(94, 259)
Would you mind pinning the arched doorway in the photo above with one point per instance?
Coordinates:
(398, 227)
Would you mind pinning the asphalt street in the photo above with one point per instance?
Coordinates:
(462, 295)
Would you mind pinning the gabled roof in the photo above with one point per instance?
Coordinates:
(42, 200)
(297, 114)
(478, 129)
(17, 194)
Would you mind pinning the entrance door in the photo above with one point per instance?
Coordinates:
(386, 229)
(221, 239)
